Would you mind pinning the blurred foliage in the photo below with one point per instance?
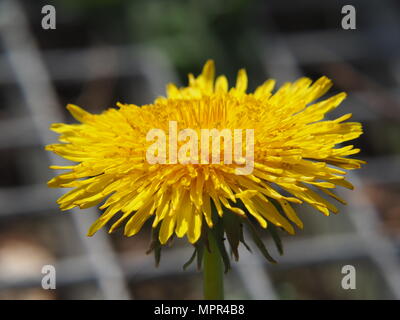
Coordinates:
(188, 32)
(91, 4)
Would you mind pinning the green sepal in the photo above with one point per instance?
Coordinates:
(200, 253)
(242, 239)
(257, 240)
(233, 231)
(219, 239)
(190, 261)
(155, 246)
(273, 230)
(218, 233)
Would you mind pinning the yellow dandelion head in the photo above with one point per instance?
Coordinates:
(297, 155)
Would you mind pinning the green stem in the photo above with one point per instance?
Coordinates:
(213, 279)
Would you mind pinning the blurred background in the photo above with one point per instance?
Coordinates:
(104, 51)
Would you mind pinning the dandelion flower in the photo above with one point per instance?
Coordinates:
(298, 158)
